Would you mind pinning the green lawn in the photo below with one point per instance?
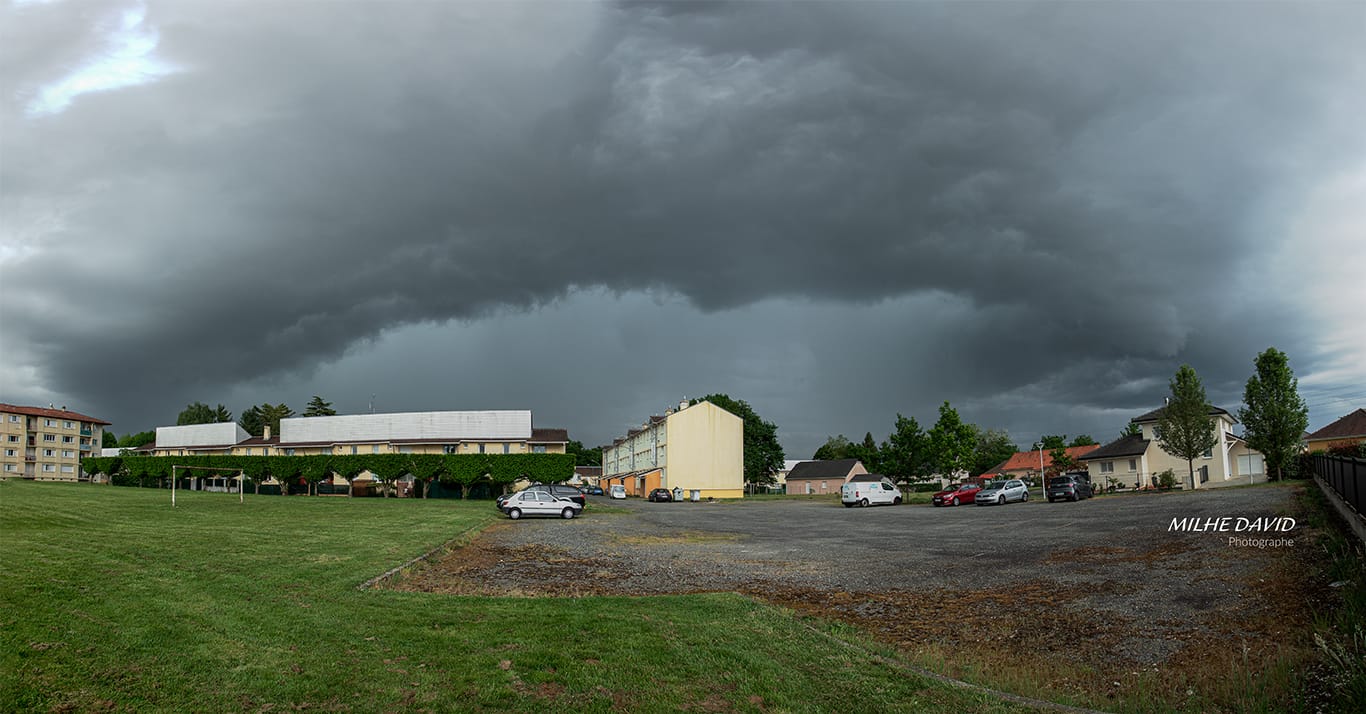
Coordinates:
(112, 600)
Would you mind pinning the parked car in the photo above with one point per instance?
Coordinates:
(660, 495)
(564, 491)
(1002, 492)
(962, 493)
(617, 490)
(595, 490)
(870, 493)
(538, 502)
(1070, 487)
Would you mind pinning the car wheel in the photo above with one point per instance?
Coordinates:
(1025, 497)
(955, 500)
(567, 513)
(514, 513)
(1001, 500)
(896, 501)
(863, 503)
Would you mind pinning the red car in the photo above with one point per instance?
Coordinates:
(962, 493)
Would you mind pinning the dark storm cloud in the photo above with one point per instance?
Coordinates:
(1088, 183)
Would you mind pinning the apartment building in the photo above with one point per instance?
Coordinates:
(446, 432)
(693, 448)
(46, 444)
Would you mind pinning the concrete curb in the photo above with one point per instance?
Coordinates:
(442, 549)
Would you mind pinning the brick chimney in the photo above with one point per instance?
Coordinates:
(267, 433)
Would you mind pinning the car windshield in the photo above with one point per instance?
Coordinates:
(991, 486)
(1060, 482)
(967, 487)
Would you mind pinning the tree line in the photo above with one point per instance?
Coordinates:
(450, 469)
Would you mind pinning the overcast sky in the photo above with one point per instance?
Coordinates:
(836, 212)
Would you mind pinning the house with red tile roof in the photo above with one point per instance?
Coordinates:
(1347, 431)
(1025, 464)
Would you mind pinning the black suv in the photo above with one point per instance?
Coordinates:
(1070, 487)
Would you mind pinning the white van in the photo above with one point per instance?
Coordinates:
(869, 490)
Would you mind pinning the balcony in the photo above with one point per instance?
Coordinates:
(87, 432)
(85, 447)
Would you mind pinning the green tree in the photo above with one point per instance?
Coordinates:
(763, 453)
(221, 415)
(952, 443)
(1053, 441)
(196, 413)
(583, 456)
(1274, 416)
(318, 407)
(1131, 429)
(255, 419)
(868, 453)
(1185, 428)
(1083, 440)
(142, 438)
(834, 449)
(993, 447)
(1062, 462)
(110, 441)
(906, 453)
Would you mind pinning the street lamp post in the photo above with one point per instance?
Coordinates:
(1042, 485)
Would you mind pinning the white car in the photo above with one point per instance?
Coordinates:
(536, 502)
(869, 492)
(1003, 492)
(617, 490)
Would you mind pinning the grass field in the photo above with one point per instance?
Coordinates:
(114, 601)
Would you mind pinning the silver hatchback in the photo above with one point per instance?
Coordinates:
(1003, 492)
(536, 502)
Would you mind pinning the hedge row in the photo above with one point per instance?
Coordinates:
(457, 469)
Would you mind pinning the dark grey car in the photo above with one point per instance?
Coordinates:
(1068, 488)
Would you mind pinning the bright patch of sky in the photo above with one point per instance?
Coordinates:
(126, 60)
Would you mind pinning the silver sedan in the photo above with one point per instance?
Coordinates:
(535, 502)
(1003, 492)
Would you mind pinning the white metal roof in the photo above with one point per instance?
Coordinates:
(453, 426)
(220, 434)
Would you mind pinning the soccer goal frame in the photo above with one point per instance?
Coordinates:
(241, 479)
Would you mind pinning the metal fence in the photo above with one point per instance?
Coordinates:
(1346, 476)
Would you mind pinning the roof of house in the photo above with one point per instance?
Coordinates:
(838, 468)
(1156, 414)
(1124, 446)
(1029, 460)
(1350, 426)
(553, 435)
(867, 478)
(588, 470)
(50, 413)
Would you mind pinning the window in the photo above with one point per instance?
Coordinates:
(49, 437)
(49, 468)
(49, 452)
(10, 467)
(289, 452)
(1107, 467)
(68, 454)
(538, 449)
(67, 425)
(1209, 454)
(354, 450)
(68, 469)
(11, 452)
(68, 439)
(49, 422)
(1133, 465)
(507, 448)
(13, 438)
(481, 448)
(14, 418)
(451, 448)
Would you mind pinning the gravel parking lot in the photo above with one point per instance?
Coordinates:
(1101, 584)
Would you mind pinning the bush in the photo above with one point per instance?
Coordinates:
(1166, 480)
